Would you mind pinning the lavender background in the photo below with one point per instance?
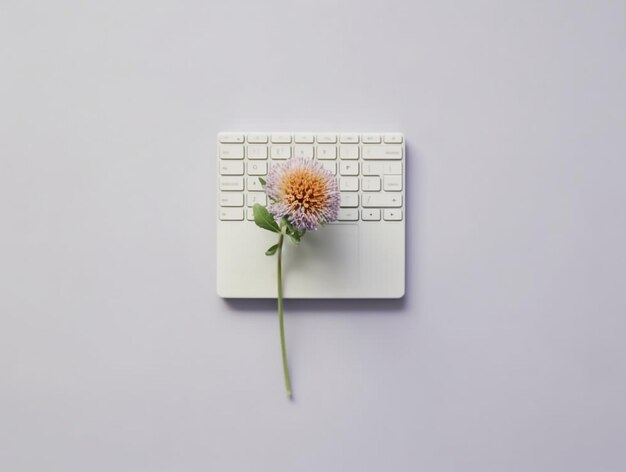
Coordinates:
(507, 353)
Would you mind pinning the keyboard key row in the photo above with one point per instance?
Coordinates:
(392, 175)
(348, 200)
(237, 138)
(348, 168)
(323, 151)
(232, 180)
(345, 214)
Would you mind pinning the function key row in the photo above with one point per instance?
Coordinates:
(346, 138)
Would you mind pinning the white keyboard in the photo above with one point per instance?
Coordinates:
(359, 256)
(369, 168)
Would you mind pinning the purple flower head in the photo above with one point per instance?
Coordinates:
(304, 192)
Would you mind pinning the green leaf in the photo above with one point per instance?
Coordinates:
(272, 250)
(264, 219)
(262, 180)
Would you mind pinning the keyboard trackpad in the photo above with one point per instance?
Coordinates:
(327, 260)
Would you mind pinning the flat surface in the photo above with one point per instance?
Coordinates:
(507, 353)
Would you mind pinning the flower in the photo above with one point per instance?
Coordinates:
(304, 192)
(303, 196)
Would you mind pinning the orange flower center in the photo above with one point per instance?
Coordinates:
(304, 189)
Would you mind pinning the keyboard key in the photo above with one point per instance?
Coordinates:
(231, 151)
(231, 214)
(231, 183)
(231, 138)
(382, 152)
(349, 138)
(348, 214)
(349, 184)
(249, 214)
(231, 199)
(326, 151)
(392, 215)
(348, 168)
(370, 215)
(393, 168)
(257, 138)
(281, 152)
(256, 197)
(330, 166)
(393, 138)
(254, 184)
(382, 200)
(231, 167)
(370, 184)
(371, 138)
(257, 152)
(281, 138)
(372, 168)
(257, 168)
(326, 138)
(303, 150)
(392, 183)
(304, 138)
(349, 200)
(349, 151)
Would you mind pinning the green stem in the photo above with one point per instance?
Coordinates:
(280, 315)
